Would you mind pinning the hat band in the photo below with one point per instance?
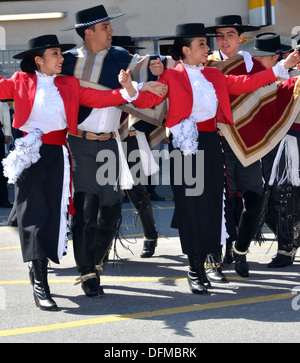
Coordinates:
(91, 22)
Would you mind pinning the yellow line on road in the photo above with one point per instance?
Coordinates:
(136, 235)
(143, 315)
(10, 248)
(111, 279)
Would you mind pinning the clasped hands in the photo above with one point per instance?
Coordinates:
(156, 88)
(293, 60)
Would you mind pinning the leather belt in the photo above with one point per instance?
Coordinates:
(132, 133)
(93, 136)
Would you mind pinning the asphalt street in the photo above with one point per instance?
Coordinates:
(148, 300)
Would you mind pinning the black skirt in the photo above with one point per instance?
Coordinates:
(38, 196)
(199, 217)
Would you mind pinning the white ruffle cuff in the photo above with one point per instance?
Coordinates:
(25, 154)
(125, 94)
(280, 71)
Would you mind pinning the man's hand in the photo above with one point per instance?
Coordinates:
(156, 67)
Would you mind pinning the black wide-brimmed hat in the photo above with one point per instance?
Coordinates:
(190, 30)
(92, 16)
(124, 41)
(231, 21)
(268, 43)
(43, 42)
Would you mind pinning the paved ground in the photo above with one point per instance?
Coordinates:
(148, 300)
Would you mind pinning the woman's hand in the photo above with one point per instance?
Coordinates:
(126, 82)
(156, 88)
(292, 60)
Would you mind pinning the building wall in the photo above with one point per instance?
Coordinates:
(143, 19)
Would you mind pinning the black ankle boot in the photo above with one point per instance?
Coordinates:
(241, 265)
(213, 269)
(41, 291)
(283, 258)
(197, 279)
(90, 283)
(148, 249)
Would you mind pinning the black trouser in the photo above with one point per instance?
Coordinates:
(140, 198)
(254, 209)
(283, 216)
(248, 182)
(94, 229)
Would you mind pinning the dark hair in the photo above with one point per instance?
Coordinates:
(176, 49)
(240, 30)
(81, 31)
(28, 64)
(281, 56)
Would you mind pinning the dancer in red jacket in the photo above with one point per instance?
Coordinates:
(198, 99)
(46, 107)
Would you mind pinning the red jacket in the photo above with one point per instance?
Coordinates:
(180, 92)
(21, 87)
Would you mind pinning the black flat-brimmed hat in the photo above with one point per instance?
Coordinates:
(190, 30)
(124, 41)
(268, 43)
(231, 21)
(91, 16)
(43, 42)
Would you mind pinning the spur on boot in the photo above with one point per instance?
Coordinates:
(90, 284)
(41, 291)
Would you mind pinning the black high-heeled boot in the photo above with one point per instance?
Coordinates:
(41, 291)
(213, 268)
(197, 279)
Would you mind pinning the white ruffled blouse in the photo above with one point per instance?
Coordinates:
(205, 104)
(48, 112)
